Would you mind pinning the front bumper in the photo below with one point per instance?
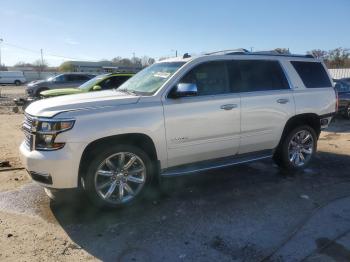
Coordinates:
(55, 169)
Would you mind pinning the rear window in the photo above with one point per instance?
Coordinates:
(312, 74)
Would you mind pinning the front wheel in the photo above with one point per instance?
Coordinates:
(118, 175)
(17, 82)
(297, 148)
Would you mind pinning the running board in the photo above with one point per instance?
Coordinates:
(215, 164)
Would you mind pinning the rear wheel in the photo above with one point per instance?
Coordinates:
(297, 148)
(347, 113)
(118, 176)
(17, 82)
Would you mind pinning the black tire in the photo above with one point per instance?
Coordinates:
(101, 154)
(347, 113)
(37, 94)
(17, 83)
(281, 156)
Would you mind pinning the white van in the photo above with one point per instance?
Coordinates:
(12, 77)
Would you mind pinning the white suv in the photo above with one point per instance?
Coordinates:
(179, 116)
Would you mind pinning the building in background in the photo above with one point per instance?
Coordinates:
(340, 73)
(96, 67)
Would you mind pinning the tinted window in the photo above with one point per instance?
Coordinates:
(113, 82)
(256, 75)
(60, 78)
(78, 77)
(342, 87)
(313, 74)
(211, 78)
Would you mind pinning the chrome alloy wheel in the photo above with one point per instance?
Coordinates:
(120, 177)
(300, 148)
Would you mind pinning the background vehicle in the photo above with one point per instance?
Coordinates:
(12, 77)
(34, 89)
(343, 89)
(101, 82)
(346, 80)
(178, 117)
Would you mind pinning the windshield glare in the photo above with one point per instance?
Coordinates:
(150, 79)
(92, 82)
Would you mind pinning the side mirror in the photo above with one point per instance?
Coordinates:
(96, 88)
(184, 90)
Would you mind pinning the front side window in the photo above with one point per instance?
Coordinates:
(59, 78)
(312, 74)
(211, 78)
(256, 75)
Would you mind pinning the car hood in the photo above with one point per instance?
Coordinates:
(52, 106)
(63, 91)
(37, 82)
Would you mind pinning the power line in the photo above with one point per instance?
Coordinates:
(47, 53)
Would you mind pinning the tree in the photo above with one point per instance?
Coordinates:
(39, 65)
(318, 53)
(282, 50)
(66, 67)
(116, 60)
(147, 61)
(339, 58)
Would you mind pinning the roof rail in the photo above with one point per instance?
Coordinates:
(229, 52)
(242, 51)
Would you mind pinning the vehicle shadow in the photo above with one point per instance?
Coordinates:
(239, 213)
(339, 125)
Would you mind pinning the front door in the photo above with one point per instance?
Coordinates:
(206, 126)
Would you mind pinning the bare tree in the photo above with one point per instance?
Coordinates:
(147, 61)
(39, 65)
(318, 53)
(282, 50)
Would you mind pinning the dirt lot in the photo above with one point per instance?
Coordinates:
(252, 212)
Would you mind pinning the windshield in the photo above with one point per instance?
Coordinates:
(92, 82)
(150, 79)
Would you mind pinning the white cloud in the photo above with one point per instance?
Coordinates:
(70, 41)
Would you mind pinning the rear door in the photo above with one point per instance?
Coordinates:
(205, 126)
(266, 102)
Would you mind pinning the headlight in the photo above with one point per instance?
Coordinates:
(46, 132)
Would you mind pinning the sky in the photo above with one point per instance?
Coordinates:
(95, 30)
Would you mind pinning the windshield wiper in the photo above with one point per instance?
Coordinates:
(124, 90)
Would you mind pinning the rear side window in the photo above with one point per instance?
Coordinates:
(312, 74)
(256, 75)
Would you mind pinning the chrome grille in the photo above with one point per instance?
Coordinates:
(27, 129)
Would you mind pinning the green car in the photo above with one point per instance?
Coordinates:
(100, 82)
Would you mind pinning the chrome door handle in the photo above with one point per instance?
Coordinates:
(283, 100)
(228, 106)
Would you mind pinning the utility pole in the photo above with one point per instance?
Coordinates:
(42, 62)
(1, 40)
(42, 58)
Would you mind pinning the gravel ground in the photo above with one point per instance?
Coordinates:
(252, 212)
(7, 94)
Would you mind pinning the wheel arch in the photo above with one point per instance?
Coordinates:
(310, 119)
(140, 140)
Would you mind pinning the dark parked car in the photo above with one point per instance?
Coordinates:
(60, 81)
(347, 80)
(343, 89)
